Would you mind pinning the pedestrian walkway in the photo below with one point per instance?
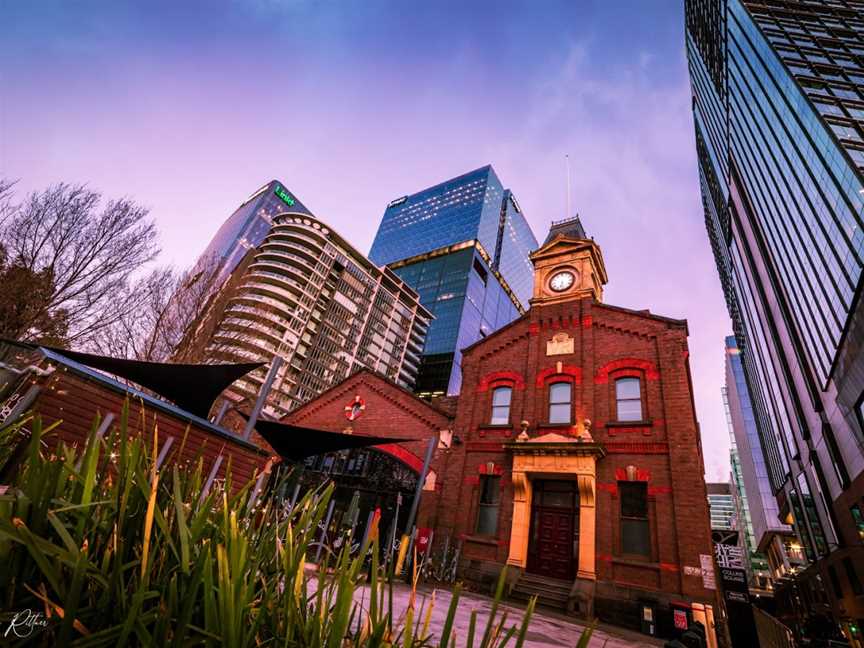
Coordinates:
(547, 630)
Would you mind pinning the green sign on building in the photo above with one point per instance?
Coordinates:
(284, 195)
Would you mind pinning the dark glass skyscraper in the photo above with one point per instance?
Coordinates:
(778, 104)
(463, 245)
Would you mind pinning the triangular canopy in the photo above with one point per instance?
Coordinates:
(192, 387)
(297, 443)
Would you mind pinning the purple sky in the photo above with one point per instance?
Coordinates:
(188, 109)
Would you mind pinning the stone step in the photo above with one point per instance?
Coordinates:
(550, 592)
(537, 588)
(545, 580)
(543, 598)
(555, 603)
(554, 585)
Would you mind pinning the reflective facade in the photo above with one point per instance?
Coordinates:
(778, 92)
(463, 245)
(758, 510)
(758, 575)
(248, 225)
(297, 290)
(762, 505)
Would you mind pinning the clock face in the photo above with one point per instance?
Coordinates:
(561, 281)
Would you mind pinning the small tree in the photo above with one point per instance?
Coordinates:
(64, 259)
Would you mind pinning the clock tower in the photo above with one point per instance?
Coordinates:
(568, 266)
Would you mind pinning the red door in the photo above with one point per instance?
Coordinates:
(553, 518)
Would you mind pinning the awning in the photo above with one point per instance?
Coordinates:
(297, 443)
(193, 387)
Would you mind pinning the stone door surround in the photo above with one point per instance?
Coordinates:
(553, 456)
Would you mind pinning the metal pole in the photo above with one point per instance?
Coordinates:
(391, 537)
(253, 496)
(222, 409)
(416, 503)
(568, 214)
(366, 530)
(324, 531)
(164, 452)
(294, 498)
(262, 396)
(210, 479)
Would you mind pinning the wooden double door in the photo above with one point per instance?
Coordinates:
(553, 549)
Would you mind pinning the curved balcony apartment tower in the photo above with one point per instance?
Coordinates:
(298, 290)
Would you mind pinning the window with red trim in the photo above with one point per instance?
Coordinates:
(560, 397)
(628, 399)
(501, 399)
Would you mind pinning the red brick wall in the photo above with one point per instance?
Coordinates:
(389, 411)
(609, 342)
(75, 401)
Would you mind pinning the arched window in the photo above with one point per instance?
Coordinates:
(628, 397)
(559, 402)
(501, 397)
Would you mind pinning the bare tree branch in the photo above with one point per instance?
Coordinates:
(154, 314)
(76, 256)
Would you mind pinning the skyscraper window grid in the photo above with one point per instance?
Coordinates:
(463, 244)
(295, 289)
(776, 87)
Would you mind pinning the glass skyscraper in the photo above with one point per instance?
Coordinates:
(772, 546)
(248, 225)
(293, 288)
(721, 507)
(463, 245)
(778, 106)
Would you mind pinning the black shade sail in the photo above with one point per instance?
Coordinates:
(297, 443)
(192, 387)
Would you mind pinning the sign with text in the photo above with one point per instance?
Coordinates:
(284, 195)
(707, 566)
(733, 583)
(729, 556)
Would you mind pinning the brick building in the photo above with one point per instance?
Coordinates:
(366, 403)
(60, 389)
(574, 455)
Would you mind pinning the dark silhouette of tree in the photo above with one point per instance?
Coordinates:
(161, 308)
(24, 295)
(64, 260)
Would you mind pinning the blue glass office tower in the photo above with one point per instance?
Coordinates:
(247, 227)
(778, 107)
(463, 245)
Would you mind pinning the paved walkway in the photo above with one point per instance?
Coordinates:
(547, 629)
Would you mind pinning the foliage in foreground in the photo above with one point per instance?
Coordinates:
(115, 552)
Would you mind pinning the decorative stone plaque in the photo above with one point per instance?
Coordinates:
(560, 344)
